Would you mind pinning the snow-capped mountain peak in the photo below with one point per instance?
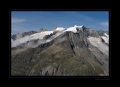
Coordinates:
(50, 35)
(74, 46)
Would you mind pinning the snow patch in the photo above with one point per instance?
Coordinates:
(105, 38)
(106, 35)
(60, 29)
(73, 29)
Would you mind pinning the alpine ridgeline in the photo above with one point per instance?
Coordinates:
(73, 51)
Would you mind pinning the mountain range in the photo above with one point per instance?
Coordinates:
(73, 51)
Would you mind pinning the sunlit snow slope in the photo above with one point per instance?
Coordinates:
(98, 43)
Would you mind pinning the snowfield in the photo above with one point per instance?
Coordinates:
(40, 35)
(98, 43)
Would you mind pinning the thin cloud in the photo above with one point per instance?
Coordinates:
(85, 17)
(16, 25)
(21, 28)
(104, 24)
(18, 28)
(15, 20)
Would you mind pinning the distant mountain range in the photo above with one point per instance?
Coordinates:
(73, 51)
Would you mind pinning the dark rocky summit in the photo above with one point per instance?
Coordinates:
(41, 30)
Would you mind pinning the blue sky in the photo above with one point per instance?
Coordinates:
(22, 21)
